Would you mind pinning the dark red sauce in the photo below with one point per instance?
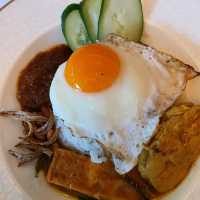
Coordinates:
(35, 80)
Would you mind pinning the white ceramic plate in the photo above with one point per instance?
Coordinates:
(36, 188)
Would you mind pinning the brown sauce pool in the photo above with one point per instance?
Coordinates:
(33, 93)
(35, 80)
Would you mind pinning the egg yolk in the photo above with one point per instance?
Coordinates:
(92, 68)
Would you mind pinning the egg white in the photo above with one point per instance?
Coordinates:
(120, 119)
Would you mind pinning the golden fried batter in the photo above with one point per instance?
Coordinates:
(77, 173)
(169, 156)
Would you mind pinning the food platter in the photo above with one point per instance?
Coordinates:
(37, 188)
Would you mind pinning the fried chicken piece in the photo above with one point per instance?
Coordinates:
(76, 172)
(166, 161)
(134, 178)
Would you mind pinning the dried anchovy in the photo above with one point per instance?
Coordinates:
(40, 135)
(24, 157)
(23, 116)
(30, 129)
(33, 147)
(46, 127)
(48, 142)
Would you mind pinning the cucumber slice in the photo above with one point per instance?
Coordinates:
(90, 10)
(73, 27)
(124, 18)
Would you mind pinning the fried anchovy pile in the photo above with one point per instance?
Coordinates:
(40, 134)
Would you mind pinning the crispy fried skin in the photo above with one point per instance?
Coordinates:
(76, 172)
(176, 146)
(134, 178)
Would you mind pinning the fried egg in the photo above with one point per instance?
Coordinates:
(109, 96)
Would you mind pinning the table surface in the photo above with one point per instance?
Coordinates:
(2, 2)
